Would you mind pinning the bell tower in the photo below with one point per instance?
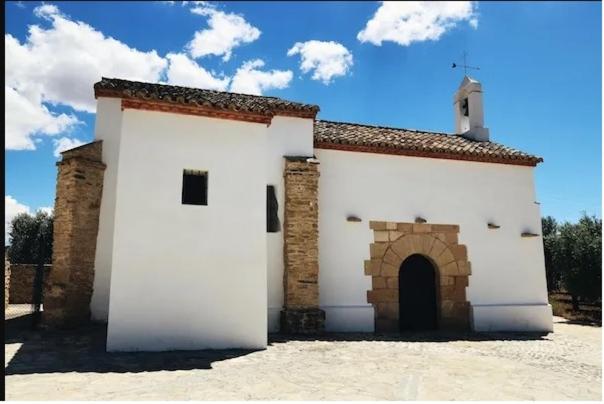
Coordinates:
(469, 114)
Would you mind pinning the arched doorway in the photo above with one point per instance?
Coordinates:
(417, 294)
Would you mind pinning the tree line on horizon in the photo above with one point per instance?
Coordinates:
(573, 258)
(572, 251)
(30, 238)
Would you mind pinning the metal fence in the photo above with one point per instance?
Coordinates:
(29, 314)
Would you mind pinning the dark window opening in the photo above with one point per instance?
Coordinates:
(194, 187)
(272, 207)
(465, 107)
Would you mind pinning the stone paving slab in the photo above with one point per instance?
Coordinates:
(564, 365)
(18, 310)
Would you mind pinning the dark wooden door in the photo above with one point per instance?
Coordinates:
(417, 294)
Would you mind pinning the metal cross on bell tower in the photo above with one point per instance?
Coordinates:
(465, 65)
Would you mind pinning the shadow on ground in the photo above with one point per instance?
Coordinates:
(587, 322)
(83, 349)
(427, 336)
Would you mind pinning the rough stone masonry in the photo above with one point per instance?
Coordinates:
(22, 278)
(301, 313)
(77, 207)
(393, 243)
(6, 279)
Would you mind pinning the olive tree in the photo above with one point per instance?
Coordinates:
(579, 257)
(550, 239)
(30, 238)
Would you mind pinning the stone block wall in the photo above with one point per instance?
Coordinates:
(395, 242)
(22, 282)
(6, 280)
(77, 206)
(301, 312)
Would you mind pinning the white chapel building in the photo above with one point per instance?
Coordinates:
(225, 217)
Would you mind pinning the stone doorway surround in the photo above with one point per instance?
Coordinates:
(393, 243)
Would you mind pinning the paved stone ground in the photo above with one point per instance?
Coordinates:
(17, 310)
(565, 365)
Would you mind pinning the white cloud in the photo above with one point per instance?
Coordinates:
(416, 21)
(326, 59)
(65, 60)
(197, 3)
(49, 210)
(59, 65)
(65, 143)
(25, 118)
(46, 11)
(11, 209)
(226, 31)
(249, 80)
(183, 71)
(61, 59)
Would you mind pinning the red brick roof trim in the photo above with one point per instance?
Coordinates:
(194, 110)
(418, 153)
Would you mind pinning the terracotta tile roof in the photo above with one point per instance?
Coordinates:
(327, 134)
(378, 139)
(204, 99)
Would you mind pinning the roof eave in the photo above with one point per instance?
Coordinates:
(310, 113)
(425, 153)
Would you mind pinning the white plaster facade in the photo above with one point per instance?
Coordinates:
(507, 288)
(183, 276)
(173, 276)
(108, 128)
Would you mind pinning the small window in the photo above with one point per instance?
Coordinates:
(272, 207)
(194, 187)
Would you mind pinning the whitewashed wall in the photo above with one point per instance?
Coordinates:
(507, 287)
(108, 126)
(186, 276)
(287, 136)
(190, 277)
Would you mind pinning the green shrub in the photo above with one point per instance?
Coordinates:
(31, 238)
(573, 257)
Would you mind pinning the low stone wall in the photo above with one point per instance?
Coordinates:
(22, 282)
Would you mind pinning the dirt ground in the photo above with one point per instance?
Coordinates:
(564, 365)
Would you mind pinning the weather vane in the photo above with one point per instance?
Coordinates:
(465, 65)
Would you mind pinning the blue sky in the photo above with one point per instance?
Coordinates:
(540, 66)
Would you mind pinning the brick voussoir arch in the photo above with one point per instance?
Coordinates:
(393, 243)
